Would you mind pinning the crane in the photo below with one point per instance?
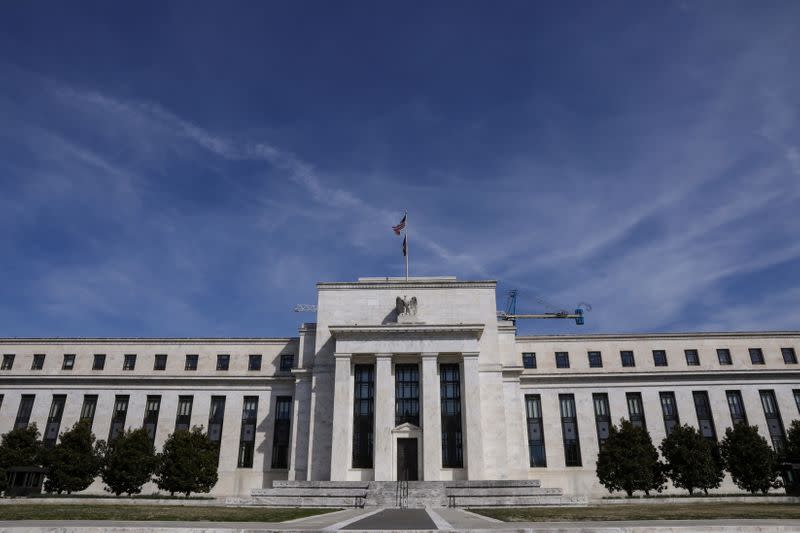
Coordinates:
(511, 314)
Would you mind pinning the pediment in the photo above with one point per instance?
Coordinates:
(407, 427)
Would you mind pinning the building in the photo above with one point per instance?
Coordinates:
(398, 378)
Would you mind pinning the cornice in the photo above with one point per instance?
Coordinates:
(656, 336)
(145, 381)
(147, 340)
(420, 330)
(591, 379)
(410, 284)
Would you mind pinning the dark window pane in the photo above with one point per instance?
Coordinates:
(287, 362)
(282, 433)
(562, 359)
(569, 430)
(99, 362)
(627, 358)
(736, 406)
(595, 360)
(223, 361)
(756, 356)
(529, 360)
(254, 362)
(191, 362)
(533, 413)
(789, 356)
(450, 390)
(129, 363)
(363, 405)
(660, 357)
(704, 417)
(602, 415)
(669, 408)
(692, 357)
(160, 361)
(724, 356)
(635, 409)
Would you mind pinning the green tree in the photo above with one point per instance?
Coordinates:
(3, 481)
(628, 461)
(188, 463)
(128, 462)
(21, 447)
(691, 461)
(74, 462)
(791, 452)
(750, 460)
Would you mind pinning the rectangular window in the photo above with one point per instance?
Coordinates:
(287, 362)
(38, 361)
(24, 411)
(602, 416)
(99, 361)
(118, 416)
(669, 408)
(796, 393)
(724, 356)
(774, 422)
(69, 361)
(223, 361)
(363, 415)
(452, 437)
(216, 416)
(151, 409)
(569, 430)
(692, 357)
(660, 357)
(626, 356)
(129, 363)
(533, 415)
(789, 356)
(159, 361)
(756, 356)
(8, 361)
(595, 360)
(635, 409)
(191, 362)
(528, 360)
(183, 418)
(562, 359)
(54, 420)
(406, 394)
(247, 437)
(736, 406)
(88, 408)
(282, 434)
(254, 362)
(704, 417)
(1, 401)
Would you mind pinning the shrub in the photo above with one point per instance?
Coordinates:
(188, 463)
(628, 461)
(691, 460)
(128, 462)
(21, 447)
(749, 459)
(74, 462)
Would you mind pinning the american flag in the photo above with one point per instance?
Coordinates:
(400, 227)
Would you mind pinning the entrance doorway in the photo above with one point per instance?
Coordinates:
(407, 460)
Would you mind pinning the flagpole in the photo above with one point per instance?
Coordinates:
(406, 239)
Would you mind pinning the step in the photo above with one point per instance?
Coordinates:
(282, 483)
(516, 501)
(488, 483)
(503, 491)
(308, 501)
(301, 492)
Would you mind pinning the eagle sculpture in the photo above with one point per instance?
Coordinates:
(406, 307)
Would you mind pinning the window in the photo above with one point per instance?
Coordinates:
(151, 409)
(724, 356)
(191, 362)
(595, 360)
(635, 409)
(99, 361)
(528, 360)
(363, 413)
(216, 416)
(8, 361)
(533, 415)
(736, 406)
(247, 437)
(452, 436)
(129, 363)
(88, 408)
(54, 420)
(797, 398)
(38, 361)
(118, 416)
(223, 361)
(24, 411)
(282, 434)
(69, 361)
(660, 357)
(602, 416)
(789, 356)
(406, 394)
(562, 359)
(160, 361)
(692, 358)
(627, 358)
(287, 362)
(756, 356)
(670, 410)
(183, 418)
(254, 362)
(569, 430)
(774, 422)
(704, 417)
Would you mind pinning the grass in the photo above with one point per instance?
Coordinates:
(662, 511)
(48, 511)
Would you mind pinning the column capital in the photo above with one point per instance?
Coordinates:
(470, 355)
(383, 355)
(429, 355)
(340, 355)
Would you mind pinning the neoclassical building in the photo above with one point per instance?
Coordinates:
(413, 379)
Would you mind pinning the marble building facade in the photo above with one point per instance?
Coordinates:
(409, 379)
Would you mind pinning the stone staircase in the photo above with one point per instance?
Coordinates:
(412, 494)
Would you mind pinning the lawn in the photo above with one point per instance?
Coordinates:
(662, 511)
(52, 511)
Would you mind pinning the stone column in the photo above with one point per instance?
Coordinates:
(384, 418)
(301, 415)
(473, 442)
(431, 419)
(342, 417)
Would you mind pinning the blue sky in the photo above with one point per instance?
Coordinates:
(193, 168)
